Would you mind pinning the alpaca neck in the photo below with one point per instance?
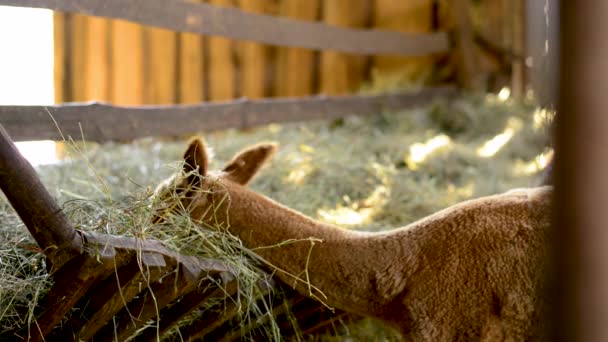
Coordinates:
(330, 259)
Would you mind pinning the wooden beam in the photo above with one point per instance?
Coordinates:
(232, 23)
(296, 66)
(581, 191)
(191, 84)
(253, 57)
(61, 51)
(160, 66)
(467, 59)
(342, 73)
(97, 65)
(221, 70)
(100, 122)
(127, 63)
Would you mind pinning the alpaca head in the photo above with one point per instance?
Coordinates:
(193, 188)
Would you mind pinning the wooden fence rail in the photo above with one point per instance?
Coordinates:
(102, 122)
(235, 24)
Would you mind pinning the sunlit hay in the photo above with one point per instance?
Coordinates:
(534, 166)
(348, 161)
(420, 151)
(490, 147)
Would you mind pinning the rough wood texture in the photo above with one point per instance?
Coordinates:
(191, 87)
(160, 66)
(232, 23)
(127, 63)
(221, 69)
(100, 122)
(44, 219)
(342, 73)
(581, 190)
(253, 61)
(413, 17)
(295, 66)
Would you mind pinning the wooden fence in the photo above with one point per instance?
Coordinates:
(106, 122)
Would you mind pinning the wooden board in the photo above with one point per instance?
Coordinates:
(411, 16)
(221, 69)
(127, 63)
(160, 66)
(97, 67)
(191, 63)
(296, 66)
(342, 73)
(253, 61)
(104, 123)
(232, 23)
(78, 57)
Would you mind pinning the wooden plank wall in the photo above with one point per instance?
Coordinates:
(129, 64)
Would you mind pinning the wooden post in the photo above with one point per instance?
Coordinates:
(581, 166)
(411, 16)
(253, 57)
(518, 77)
(191, 68)
(295, 66)
(78, 59)
(467, 60)
(44, 219)
(127, 63)
(342, 73)
(60, 72)
(98, 58)
(221, 72)
(160, 66)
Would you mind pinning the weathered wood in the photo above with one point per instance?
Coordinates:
(100, 122)
(295, 67)
(467, 61)
(97, 68)
(118, 290)
(127, 63)
(411, 16)
(210, 320)
(191, 87)
(253, 57)
(581, 190)
(44, 219)
(232, 23)
(221, 70)
(160, 66)
(343, 73)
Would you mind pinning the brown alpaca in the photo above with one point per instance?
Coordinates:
(473, 271)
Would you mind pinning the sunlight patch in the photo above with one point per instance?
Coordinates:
(539, 163)
(358, 212)
(420, 151)
(492, 146)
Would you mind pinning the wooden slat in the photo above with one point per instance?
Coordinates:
(39, 212)
(518, 81)
(97, 68)
(232, 23)
(467, 61)
(343, 73)
(78, 57)
(411, 16)
(61, 47)
(127, 63)
(221, 70)
(160, 66)
(295, 66)
(253, 61)
(101, 122)
(191, 68)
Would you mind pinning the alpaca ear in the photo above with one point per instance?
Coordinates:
(196, 157)
(248, 162)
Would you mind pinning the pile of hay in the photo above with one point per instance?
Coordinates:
(371, 173)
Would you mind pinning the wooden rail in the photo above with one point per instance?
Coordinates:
(235, 24)
(102, 122)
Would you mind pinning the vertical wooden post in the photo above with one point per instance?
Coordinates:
(60, 72)
(78, 59)
(581, 166)
(191, 68)
(253, 57)
(518, 77)
(160, 66)
(221, 72)
(127, 63)
(295, 66)
(411, 16)
(342, 73)
(467, 61)
(98, 57)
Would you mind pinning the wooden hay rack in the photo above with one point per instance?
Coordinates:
(108, 287)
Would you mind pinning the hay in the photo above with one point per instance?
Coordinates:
(370, 173)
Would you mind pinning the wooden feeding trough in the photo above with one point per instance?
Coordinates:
(109, 287)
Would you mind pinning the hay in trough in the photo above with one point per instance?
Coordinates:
(372, 173)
